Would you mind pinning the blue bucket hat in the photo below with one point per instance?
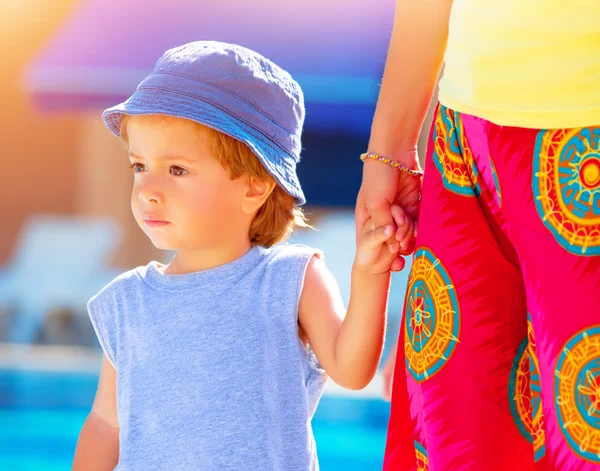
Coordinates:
(233, 90)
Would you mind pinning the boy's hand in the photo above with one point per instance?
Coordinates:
(373, 253)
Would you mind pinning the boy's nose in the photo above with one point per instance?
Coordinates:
(150, 195)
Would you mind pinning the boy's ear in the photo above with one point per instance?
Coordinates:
(257, 192)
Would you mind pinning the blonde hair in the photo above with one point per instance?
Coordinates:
(279, 214)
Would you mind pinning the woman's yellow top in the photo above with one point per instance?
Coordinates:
(526, 63)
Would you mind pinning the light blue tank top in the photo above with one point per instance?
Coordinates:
(211, 373)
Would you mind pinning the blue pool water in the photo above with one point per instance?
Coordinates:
(41, 415)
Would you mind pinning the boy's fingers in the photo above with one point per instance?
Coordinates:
(379, 252)
(380, 214)
(384, 261)
(373, 239)
(379, 236)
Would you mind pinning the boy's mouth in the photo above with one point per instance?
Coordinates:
(154, 221)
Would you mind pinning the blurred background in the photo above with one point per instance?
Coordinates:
(66, 228)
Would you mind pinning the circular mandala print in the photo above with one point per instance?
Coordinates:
(432, 316)
(452, 155)
(566, 187)
(422, 461)
(524, 393)
(577, 391)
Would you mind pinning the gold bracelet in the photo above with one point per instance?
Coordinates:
(393, 163)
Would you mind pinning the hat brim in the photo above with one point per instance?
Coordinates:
(165, 102)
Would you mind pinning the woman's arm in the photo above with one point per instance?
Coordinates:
(413, 64)
(411, 71)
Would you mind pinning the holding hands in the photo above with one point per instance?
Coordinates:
(388, 197)
(378, 246)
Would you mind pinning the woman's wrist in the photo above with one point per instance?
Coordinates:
(405, 161)
(405, 154)
(396, 136)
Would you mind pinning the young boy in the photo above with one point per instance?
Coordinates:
(217, 360)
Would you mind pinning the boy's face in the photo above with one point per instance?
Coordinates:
(183, 199)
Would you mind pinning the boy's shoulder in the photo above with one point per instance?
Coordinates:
(123, 283)
(290, 251)
(290, 260)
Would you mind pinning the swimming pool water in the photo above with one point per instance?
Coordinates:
(41, 415)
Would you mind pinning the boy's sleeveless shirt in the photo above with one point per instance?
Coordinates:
(211, 373)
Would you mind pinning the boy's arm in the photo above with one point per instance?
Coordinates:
(350, 349)
(98, 444)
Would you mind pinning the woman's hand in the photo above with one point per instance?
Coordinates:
(382, 186)
(408, 198)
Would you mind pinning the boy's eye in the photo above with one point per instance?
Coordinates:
(178, 171)
(137, 167)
